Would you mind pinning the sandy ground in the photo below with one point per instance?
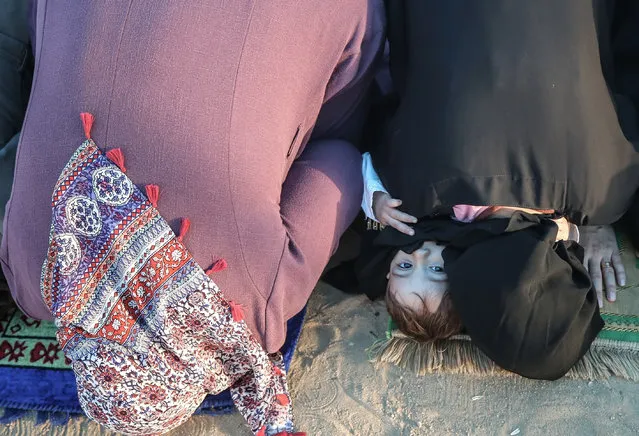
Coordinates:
(336, 391)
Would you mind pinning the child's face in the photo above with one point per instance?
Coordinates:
(419, 277)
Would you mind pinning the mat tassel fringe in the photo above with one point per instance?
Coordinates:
(458, 355)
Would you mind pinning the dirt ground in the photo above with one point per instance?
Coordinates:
(336, 391)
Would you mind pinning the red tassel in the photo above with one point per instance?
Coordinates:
(87, 123)
(117, 157)
(153, 194)
(184, 228)
(278, 371)
(283, 399)
(236, 311)
(219, 265)
(261, 432)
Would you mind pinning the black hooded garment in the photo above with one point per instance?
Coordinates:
(528, 304)
(513, 103)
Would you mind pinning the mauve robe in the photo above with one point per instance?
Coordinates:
(213, 101)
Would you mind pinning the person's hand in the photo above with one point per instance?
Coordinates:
(385, 210)
(602, 260)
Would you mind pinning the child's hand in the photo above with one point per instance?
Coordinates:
(386, 213)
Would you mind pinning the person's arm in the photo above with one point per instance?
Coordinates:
(322, 191)
(348, 94)
(617, 21)
(625, 61)
(625, 44)
(624, 65)
(378, 204)
(372, 184)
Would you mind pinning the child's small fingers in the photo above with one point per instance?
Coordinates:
(384, 219)
(398, 225)
(403, 217)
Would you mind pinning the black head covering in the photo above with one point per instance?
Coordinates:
(525, 300)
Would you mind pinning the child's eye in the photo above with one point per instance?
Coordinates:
(437, 269)
(405, 265)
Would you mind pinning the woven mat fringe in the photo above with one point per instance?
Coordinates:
(459, 356)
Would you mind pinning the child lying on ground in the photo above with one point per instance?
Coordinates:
(416, 292)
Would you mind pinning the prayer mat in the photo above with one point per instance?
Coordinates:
(35, 376)
(615, 351)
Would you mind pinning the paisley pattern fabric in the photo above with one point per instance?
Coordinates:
(111, 186)
(69, 252)
(148, 333)
(83, 215)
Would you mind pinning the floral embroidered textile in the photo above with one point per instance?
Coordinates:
(148, 333)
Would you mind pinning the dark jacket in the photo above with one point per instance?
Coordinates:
(16, 72)
(513, 103)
